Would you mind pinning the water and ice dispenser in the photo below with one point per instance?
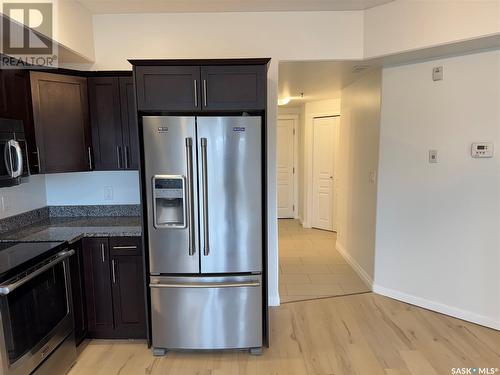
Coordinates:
(169, 201)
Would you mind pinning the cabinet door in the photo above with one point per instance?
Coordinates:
(168, 88)
(60, 113)
(129, 123)
(105, 119)
(97, 274)
(18, 102)
(3, 94)
(128, 297)
(78, 293)
(239, 87)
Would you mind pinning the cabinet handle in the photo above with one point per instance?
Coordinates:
(90, 157)
(102, 253)
(118, 157)
(127, 165)
(195, 93)
(113, 271)
(38, 160)
(124, 247)
(205, 92)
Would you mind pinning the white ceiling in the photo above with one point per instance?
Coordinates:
(318, 80)
(166, 6)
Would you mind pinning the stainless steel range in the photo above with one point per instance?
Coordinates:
(204, 203)
(36, 318)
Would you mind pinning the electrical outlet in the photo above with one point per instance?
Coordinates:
(373, 177)
(437, 73)
(433, 156)
(108, 193)
(6, 206)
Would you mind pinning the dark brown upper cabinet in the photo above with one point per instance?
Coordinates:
(201, 85)
(175, 88)
(129, 123)
(3, 94)
(239, 87)
(15, 103)
(113, 122)
(60, 116)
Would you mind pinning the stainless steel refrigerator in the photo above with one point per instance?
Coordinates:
(204, 205)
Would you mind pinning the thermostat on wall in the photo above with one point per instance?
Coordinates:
(482, 150)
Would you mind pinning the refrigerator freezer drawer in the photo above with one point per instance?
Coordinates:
(206, 312)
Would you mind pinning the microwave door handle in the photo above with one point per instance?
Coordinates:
(7, 157)
(19, 157)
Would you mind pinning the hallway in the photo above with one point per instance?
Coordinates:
(311, 267)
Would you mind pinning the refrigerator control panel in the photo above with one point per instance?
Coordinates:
(169, 201)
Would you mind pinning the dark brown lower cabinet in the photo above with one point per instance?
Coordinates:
(78, 293)
(128, 297)
(114, 288)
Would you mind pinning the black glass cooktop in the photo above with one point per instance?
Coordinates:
(16, 255)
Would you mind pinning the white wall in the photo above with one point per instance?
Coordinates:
(28, 196)
(405, 25)
(329, 107)
(88, 188)
(74, 28)
(279, 35)
(358, 160)
(438, 225)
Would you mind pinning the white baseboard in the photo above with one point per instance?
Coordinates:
(273, 300)
(438, 307)
(355, 265)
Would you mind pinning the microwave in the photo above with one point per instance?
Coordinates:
(13, 153)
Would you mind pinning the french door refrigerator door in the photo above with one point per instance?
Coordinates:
(171, 191)
(230, 183)
(206, 312)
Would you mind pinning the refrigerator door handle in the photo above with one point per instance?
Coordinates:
(206, 240)
(190, 194)
(242, 284)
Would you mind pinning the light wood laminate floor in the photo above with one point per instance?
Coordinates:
(310, 265)
(363, 334)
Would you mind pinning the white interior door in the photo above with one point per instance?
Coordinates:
(285, 167)
(324, 144)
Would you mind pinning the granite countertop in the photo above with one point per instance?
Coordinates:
(72, 229)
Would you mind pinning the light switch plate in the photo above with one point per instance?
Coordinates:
(437, 73)
(433, 156)
(108, 193)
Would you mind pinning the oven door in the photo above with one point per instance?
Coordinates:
(35, 314)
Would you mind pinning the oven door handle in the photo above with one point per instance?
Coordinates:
(5, 289)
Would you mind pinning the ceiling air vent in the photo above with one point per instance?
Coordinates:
(359, 68)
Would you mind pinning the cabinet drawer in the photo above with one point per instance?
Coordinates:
(125, 246)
